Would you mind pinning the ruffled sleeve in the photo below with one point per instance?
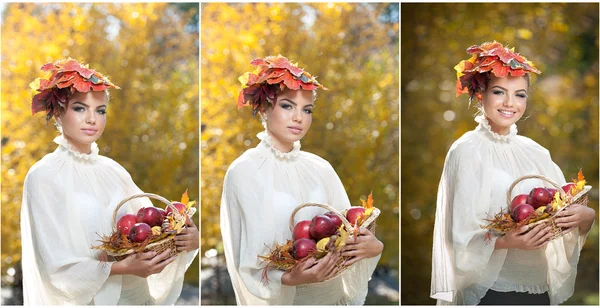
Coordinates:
(64, 272)
(245, 233)
(461, 253)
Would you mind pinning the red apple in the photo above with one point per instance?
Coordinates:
(552, 191)
(321, 226)
(179, 206)
(151, 215)
(539, 196)
(335, 218)
(518, 200)
(354, 213)
(302, 247)
(522, 212)
(125, 223)
(302, 230)
(567, 188)
(140, 232)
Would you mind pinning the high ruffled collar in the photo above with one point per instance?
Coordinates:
(268, 141)
(62, 141)
(483, 122)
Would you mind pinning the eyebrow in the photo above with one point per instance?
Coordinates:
(507, 89)
(86, 105)
(294, 103)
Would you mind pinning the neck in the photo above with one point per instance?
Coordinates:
(500, 130)
(282, 146)
(84, 148)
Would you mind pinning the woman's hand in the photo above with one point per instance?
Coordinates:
(312, 270)
(189, 238)
(365, 245)
(576, 215)
(525, 239)
(142, 264)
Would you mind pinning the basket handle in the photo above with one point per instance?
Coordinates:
(149, 195)
(525, 177)
(321, 205)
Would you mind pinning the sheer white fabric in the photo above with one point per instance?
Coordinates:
(68, 201)
(261, 189)
(479, 169)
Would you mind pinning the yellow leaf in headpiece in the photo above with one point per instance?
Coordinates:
(35, 84)
(244, 78)
(460, 67)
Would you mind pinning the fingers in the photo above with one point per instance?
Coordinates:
(543, 240)
(522, 230)
(162, 256)
(148, 255)
(190, 223)
(161, 265)
(352, 261)
(308, 263)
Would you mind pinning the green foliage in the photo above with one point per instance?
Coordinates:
(152, 127)
(355, 124)
(562, 114)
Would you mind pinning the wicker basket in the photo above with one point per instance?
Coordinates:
(158, 246)
(369, 223)
(579, 198)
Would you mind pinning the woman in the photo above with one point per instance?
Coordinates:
(265, 184)
(69, 197)
(523, 266)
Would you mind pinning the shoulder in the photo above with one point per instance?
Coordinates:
(463, 148)
(243, 166)
(531, 145)
(315, 160)
(45, 168)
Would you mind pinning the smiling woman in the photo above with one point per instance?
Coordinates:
(69, 198)
(523, 266)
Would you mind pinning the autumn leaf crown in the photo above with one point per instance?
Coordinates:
(489, 57)
(273, 74)
(63, 78)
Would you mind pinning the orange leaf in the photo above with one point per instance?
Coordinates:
(580, 176)
(184, 198)
(369, 203)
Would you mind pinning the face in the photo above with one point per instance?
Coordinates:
(504, 102)
(84, 120)
(289, 119)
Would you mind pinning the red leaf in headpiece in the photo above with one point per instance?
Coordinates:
(49, 67)
(517, 73)
(81, 85)
(241, 102)
(270, 74)
(283, 62)
(308, 86)
(64, 81)
(500, 70)
(258, 62)
(487, 62)
(99, 87)
(73, 65)
(39, 101)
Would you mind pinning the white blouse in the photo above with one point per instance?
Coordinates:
(479, 168)
(261, 189)
(68, 202)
